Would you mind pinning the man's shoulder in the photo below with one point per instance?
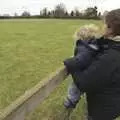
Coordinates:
(109, 58)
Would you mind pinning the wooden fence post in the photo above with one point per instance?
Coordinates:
(33, 97)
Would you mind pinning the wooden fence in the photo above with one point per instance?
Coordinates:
(32, 98)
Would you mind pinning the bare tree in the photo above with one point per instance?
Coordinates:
(99, 14)
(49, 13)
(72, 13)
(91, 12)
(66, 14)
(26, 14)
(44, 12)
(15, 14)
(76, 11)
(60, 10)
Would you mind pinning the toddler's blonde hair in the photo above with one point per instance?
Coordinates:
(87, 32)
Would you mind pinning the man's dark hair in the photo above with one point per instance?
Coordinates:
(112, 20)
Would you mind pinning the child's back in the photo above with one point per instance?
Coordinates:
(85, 51)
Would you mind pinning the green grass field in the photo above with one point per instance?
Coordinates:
(29, 51)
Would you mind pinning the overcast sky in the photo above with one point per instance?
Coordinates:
(34, 6)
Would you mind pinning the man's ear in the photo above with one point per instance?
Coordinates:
(108, 32)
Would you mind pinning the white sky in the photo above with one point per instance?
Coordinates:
(34, 6)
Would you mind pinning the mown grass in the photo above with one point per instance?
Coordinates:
(53, 109)
(29, 51)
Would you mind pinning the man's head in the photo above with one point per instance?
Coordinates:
(87, 32)
(112, 21)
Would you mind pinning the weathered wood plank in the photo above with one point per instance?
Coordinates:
(33, 97)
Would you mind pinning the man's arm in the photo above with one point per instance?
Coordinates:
(98, 74)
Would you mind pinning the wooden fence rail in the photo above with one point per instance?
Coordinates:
(33, 97)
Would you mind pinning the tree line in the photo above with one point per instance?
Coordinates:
(60, 11)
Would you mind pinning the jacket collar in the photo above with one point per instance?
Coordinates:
(116, 38)
(116, 44)
(111, 42)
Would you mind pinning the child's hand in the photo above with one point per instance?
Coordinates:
(65, 69)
